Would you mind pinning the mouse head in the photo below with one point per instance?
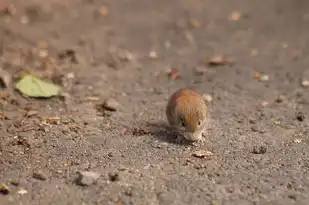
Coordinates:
(192, 121)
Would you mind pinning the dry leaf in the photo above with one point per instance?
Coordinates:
(173, 75)
(202, 153)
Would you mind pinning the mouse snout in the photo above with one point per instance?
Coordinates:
(193, 136)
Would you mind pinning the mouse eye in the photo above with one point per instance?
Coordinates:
(199, 123)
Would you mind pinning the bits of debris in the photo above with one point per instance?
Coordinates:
(202, 153)
(207, 97)
(93, 98)
(277, 122)
(261, 77)
(280, 99)
(300, 116)
(22, 191)
(235, 16)
(259, 150)
(4, 189)
(220, 61)
(297, 141)
(254, 52)
(174, 75)
(194, 23)
(86, 178)
(139, 132)
(305, 83)
(153, 54)
(113, 176)
(263, 103)
(5, 79)
(111, 104)
(102, 11)
(69, 54)
(51, 120)
(31, 113)
(24, 20)
(3, 117)
(39, 175)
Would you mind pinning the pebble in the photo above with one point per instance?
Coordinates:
(4, 189)
(87, 178)
(153, 54)
(113, 176)
(280, 99)
(305, 83)
(39, 175)
(111, 104)
(259, 150)
(300, 117)
(22, 191)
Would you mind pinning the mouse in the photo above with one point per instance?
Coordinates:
(187, 114)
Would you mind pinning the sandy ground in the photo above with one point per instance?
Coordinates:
(139, 52)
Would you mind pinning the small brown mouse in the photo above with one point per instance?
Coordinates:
(187, 113)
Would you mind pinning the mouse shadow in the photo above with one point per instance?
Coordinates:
(163, 132)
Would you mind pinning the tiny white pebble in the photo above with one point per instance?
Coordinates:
(153, 54)
(297, 141)
(22, 191)
(24, 20)
(43, 53)
(264, 78)
(305, 83)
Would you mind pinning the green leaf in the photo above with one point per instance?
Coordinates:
(34, 87)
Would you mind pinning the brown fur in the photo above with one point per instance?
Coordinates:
(188, 105)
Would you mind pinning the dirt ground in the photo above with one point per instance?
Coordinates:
(139, 52)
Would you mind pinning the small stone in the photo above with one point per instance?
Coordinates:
(207, 97)
(87, 178)
(235, 16)
(202, 153)
(305, 83)
(264, 78)
(24, 20)
(300, 117)
(280, 99)
(4, 189)
(113, 176)
(264, 103)
(15, 182)
(102, 11)
(259, 150)
(254, 128)
(111, 104)
(39, 175)
(297, 141)
(153, 54)
(22, 191)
